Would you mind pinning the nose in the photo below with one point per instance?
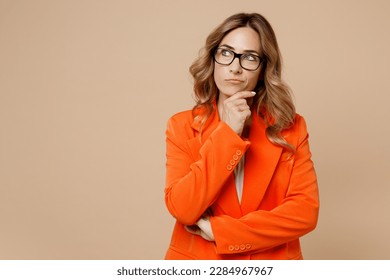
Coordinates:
(235, 66)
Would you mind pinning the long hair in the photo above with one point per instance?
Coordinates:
(273, 99)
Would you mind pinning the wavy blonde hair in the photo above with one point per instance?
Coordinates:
(273, 99)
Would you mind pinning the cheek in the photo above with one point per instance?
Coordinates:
(253, 78)
(218, 76)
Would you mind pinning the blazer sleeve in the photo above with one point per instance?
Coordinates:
(192, 185)
(295, 216)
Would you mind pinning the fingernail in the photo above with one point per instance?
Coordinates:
(253, 92)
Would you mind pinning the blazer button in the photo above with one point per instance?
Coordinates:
(242, 246)
(248, 246)
(232, 162)
(231, 248)
(238, 152)
(235, 157)
(236, 247)
(229, 167)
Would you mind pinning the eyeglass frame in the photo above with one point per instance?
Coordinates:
(238, 55)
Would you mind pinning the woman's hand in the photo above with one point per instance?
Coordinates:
(202, 228)
(236, 111)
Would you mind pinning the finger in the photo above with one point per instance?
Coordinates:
(232, 104)
(205, 226)
(243, 107)
(205, 236)
(235, 102)
(240, 108)
(247, 114)
(242, 95)
(194, 229)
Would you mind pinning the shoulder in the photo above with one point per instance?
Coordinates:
(182, 118)
(299, 121)
(297, 131)
(180, 123)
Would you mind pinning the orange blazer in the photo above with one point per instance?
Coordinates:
(280, 194)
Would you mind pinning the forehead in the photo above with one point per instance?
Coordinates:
(242, 39)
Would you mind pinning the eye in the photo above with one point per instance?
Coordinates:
(251, 57)
(226, 53)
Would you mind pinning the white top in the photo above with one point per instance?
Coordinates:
(239, 177)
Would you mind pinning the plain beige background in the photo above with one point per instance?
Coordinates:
(86, 88)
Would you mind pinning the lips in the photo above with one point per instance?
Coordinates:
(234, 81)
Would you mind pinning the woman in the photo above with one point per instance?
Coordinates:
(239, 177)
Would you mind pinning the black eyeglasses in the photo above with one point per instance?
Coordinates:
(248, 61)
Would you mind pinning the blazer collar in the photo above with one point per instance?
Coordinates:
(194, 144)
(211, 122)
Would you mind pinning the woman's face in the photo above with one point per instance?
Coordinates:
(232, 78)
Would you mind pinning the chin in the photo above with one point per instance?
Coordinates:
(229, 91)
(226, 94)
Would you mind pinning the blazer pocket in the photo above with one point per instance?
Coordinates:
(175, 253)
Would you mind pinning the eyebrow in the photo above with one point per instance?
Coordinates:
(232, 48)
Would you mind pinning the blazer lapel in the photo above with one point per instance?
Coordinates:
(261, 160)
(227, 202)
